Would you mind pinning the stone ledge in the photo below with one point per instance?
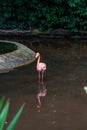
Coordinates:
(57, 33)
(22, 56)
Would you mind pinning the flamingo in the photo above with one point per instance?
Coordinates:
(41, 67)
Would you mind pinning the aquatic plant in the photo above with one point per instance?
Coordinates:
(4, 112)
(85, 89)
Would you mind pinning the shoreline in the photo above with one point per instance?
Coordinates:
(55, 34)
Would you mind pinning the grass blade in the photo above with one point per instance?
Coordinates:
(1, 102)
(3, 115)
(15, 119)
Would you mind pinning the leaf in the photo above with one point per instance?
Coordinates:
(1, 102)
(15, 119)
(3, 115)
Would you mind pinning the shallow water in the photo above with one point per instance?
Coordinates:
(64, 106)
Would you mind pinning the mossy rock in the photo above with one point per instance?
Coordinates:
(18, 56)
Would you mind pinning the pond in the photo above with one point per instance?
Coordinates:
(64, 102)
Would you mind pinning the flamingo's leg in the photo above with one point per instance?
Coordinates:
(38, 76)
(42, 75)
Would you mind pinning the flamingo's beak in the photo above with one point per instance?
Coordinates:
(36, 55)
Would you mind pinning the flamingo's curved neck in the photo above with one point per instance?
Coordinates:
(38, 61)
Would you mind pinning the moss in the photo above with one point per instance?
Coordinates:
(7, 47)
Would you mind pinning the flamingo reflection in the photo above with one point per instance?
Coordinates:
(42, 91)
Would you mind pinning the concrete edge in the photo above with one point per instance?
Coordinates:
(20, 57)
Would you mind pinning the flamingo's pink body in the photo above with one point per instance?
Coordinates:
(41, 67)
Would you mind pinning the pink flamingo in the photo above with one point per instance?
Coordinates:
(41, 67)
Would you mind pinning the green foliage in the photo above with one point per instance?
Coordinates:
(13, 123)
(1, 103)
(45, 15)
(4, 113)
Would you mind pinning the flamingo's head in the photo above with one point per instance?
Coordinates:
(37, 54)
